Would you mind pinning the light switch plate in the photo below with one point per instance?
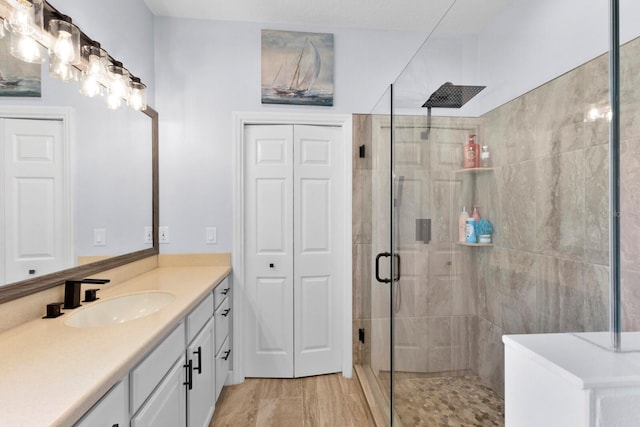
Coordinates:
(99, 237)
(211, 236)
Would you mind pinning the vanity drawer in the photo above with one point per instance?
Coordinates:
(148, 374)
(222, 291)
(222, 365)
(222, 316)
(199, 317)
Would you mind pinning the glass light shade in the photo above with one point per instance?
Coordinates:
(25, 16)
(119, 79)
(26, 49)
(89, 85)
(62, 70)
(66, 44)
(95, 75)
(138, 95)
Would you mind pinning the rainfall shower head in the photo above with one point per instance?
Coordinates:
(448, 96)
(452, 96)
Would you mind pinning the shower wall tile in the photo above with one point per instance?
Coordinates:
(560, 208)
(518, 292)
(517, 188)
(361, 205)
(362, 281)
(630, 204)
(596, 228)
(596, 305)
(490, 355)
(461, 337)
(520, 129)
(362, 128)
(630, 297)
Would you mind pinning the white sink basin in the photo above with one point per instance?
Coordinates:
(120, 309)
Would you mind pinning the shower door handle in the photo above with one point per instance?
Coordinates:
(396, 257)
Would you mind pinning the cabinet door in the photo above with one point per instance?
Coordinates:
(201, 398)
(112, 410)
(167, 405)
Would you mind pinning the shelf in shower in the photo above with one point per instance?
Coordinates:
(473, 244)
(474, 170)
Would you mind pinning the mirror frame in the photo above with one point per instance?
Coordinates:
(31, 286)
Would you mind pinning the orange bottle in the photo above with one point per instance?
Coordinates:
(471, 158)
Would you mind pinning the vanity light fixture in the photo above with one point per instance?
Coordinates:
(24, 22)
(119, 79)
(71, 52)
(96, 71)
(138, 95)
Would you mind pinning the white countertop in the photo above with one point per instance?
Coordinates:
(583, 358)
(51, 374)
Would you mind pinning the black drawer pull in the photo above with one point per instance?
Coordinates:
(199, 353)
(224, 291)
(189, 368)
(226, 355)
(226, 312)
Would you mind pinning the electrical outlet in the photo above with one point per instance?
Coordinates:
(211, 236)
(148, 235)
(99, 237)
(164, 234)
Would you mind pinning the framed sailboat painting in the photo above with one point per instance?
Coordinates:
(297, 68)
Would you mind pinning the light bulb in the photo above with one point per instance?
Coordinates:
(61, 70)
(95, 67)
(63, 48)
(89, 86)
(26, 49)
(114, 101)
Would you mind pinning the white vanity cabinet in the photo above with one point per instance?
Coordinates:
(222, 318)
(111, 411)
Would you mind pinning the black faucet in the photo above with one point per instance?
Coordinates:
(72, 291)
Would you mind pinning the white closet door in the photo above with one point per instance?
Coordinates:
(318, 255)
(293, 256)
(269, 251)
(36, 219)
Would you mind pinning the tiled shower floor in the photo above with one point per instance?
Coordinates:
(454, 401)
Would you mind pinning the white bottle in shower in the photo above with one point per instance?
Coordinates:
(462, 224)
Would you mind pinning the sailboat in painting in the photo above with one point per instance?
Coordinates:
(299, 73)
(305, 73)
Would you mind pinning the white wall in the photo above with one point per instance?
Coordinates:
(206, 70)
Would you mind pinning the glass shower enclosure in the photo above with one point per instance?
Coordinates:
(435, 307)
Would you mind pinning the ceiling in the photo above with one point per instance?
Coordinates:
(468, 16)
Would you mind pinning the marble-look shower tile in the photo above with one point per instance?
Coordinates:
(560, 207)
(630, 72)
(490, 355)
(560, 113)
(560, 295)
(362, 281)
(405, 296)
(438, 344)
(490, 284)
(630, 299)
(596, 306)
(520, 133)
(519, 292)
(461, 333)
(630, 203)
(409, 339)
(362, 206)
(519, 199)
(362, 136)
(596, 231)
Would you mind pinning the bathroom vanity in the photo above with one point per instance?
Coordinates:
(131, 373)
(571, 380)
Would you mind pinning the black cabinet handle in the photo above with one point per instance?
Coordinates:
(116, 425)
(226, 355)
(189, 368)
(199, 353)
(224, 291)
(226, 312)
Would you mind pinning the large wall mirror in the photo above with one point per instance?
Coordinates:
(95, 210)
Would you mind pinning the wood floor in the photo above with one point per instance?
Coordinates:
(325, 400)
